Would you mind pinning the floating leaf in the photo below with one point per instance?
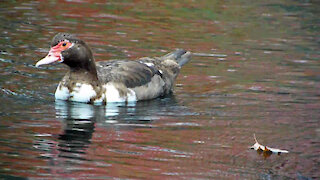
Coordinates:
(267, 151)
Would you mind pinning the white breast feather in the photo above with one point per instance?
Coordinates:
(62, 93)
(99, 100)
(82, 93)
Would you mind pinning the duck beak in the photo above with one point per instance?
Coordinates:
(53, 56)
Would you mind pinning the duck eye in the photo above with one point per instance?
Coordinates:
(64, 44)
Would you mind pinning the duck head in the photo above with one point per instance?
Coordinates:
(70, 50)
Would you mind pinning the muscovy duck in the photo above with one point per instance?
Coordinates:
(113, 80)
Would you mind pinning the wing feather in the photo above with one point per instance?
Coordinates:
(130, 73)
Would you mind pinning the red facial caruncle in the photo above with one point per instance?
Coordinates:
(54, 54)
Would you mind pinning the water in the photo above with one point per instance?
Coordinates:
(256, 71)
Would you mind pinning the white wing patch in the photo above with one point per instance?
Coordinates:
(131, 96)
(149, 64)
(112, 94)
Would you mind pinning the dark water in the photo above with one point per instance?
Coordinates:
(260, 75)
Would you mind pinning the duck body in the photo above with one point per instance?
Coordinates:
(111, 81)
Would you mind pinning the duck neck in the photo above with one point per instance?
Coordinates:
(88, 76)
(88, 69)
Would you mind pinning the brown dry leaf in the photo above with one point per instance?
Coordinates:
(265, 149)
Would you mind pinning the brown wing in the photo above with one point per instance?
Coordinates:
(130, 73)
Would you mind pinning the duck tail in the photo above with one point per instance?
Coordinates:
(181, 56)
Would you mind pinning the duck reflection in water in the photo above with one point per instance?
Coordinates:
(80, 120)
(79, 124)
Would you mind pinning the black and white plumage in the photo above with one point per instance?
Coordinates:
(114, 80)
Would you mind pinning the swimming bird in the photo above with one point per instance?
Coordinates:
(103, 82)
